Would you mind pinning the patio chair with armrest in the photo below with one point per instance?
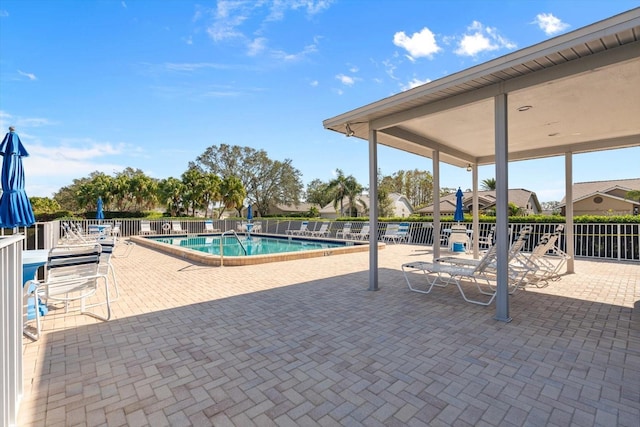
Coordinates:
(546, 259)
(145, 227)
(323, 231)
(72, 274)
(301, 231)
(485, 242)
(176, 227)
(363, 234)
(208, 227)
(345, 232)
(390, 233)
(483, 275)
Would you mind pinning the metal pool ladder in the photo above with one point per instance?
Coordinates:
(222, 239)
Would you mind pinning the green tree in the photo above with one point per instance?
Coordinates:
(385, 188)
(266, 181)
(194, 185)
(633, 195)
(44, 205)
(232, 194)
(319, 193)
(170, 191)
(144, 190)
(344, 187)
(488, 184)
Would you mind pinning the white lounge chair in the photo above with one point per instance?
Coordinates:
(390, 233)
(323, 231)
(442, 273)
(145, 227)
(397, 233)
(72, 273)
(345, 233)
(485, 242)
(363, 234)
(176, 227)
(208, 227)
(302, 230)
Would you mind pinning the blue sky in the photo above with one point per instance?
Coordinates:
(104, 85)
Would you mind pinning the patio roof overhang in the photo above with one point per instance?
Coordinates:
(578, 92)
(575, 93)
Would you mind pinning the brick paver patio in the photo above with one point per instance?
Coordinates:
(303, 343)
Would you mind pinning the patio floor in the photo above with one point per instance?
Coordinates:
(304, 343)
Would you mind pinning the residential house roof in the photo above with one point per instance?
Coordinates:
(582, 190)
(519, 196)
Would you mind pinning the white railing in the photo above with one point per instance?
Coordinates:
(11, 387)
(618, 242)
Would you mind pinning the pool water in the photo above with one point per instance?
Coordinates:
(246, 245)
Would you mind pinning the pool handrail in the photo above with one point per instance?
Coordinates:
(232, 231)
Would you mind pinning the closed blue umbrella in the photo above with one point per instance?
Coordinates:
(249, 213)
(459, 214)
(15, 208)
(99, 212)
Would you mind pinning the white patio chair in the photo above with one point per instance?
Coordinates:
(208, 227)
(72, 274)
(301, 231)
(145, 227)
(176, 227)
(363, 234)
(345, 233)
(323, 231)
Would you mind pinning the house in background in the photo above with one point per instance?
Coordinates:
(400, 205)
(526, 200)
(604, 198)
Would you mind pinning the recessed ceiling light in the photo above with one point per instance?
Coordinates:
(524, 108)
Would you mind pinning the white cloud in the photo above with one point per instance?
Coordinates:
(30, 76)
(480, 39)
(418, 45)
(293, 57)
(550, 24)
(256, 46)
(3, 13)
(346, 80)
(314, 83)
(124, 5)
(414, 83)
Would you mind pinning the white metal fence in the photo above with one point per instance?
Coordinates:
(11, 387)
(619, 242)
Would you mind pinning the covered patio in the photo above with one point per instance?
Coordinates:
(575, 93)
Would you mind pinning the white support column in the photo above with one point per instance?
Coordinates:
(436, 203)
(373, 210)
(502, 207)
(476, 214)
(568, 219)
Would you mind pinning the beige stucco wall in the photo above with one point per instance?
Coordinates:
(608, 206)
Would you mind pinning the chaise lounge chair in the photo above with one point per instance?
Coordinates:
(176, 227)
(323, 231)
(208, 227)
(301, 231)
(345, 233)
(145, 227)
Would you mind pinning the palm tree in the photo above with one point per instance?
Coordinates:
(232, 193)
(489, 184)
(344, 186)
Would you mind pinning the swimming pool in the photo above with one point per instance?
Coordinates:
(248, 250)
